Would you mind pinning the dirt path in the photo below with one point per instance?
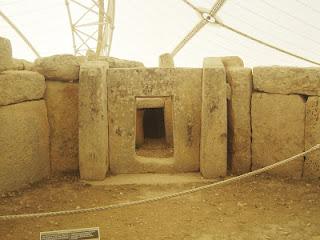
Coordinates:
(258, 208)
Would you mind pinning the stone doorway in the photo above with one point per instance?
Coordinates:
(154, 130)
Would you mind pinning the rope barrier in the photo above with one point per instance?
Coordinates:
(164, 197)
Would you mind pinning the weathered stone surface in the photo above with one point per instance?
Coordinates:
(150, 102)
(166, 61)
(122, 63)
(183, 88)
(114, 62)
(312, 138)
(139, 127)
(287, 80)
(59, 67)
(93, 121)
(277, 131)
(232, 62)
(21, 64)
(213, 146)
(24, 144)
(239, 119)
(213, 62)
(19, 86)
(62, 103)
(5, 54)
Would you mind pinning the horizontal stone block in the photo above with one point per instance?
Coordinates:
(19, 86)
(59, 67)
(24, 144)
(150, 102)
(277, 131)
(21, 64)
(287, 80)
(62, 103)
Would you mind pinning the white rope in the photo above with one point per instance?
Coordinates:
(164, 197)
(265, 43)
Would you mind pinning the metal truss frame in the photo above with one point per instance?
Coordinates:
(103, 27)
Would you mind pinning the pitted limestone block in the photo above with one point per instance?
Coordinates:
(19, 86)
(287, 80)
(166, 61)
(232, 62)
(277, 131)
(59, 67)
(239, 119)
(62, 103)
(312, 138)
(123, 63)
(21, 64)
(113, 62)
(5, 54)
(212, 62)
(181, 89)
(213, 145)
(24, 144)
(139, 127)
(93, 121)
(150, 102)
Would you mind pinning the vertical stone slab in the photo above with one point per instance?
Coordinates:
(277, 131)
(62, 102)
(213, 146)
(168, 121)
(312, 137)
(232, 62)
(239, 119)
(5, 54)
(93, 121)
(139, 127)
(24, 144)
(166, 61)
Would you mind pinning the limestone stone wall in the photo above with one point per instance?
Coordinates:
(20, 86)
(285, 116)
(312, 137)
(277, 131)
(24, 144)
(184, 87)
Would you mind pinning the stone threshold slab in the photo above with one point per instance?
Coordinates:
(151, 179)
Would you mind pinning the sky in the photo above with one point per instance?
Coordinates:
(145, 29)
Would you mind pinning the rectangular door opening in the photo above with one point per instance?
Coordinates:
(154, 131)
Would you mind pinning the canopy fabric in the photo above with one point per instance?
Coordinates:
(145, 29)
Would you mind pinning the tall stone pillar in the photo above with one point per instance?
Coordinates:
(93, 121)
(213, 145)
(312, 137)
(239, 119)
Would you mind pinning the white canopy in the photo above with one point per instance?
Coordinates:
(145, 29)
